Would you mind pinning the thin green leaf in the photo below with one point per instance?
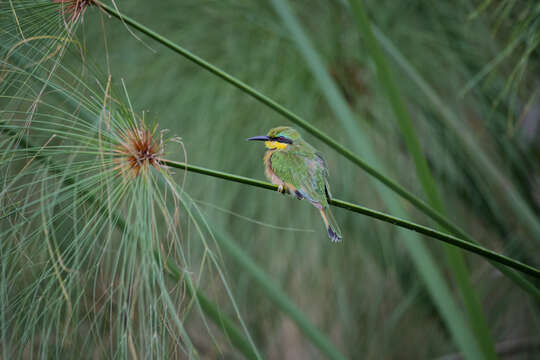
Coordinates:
(277, 295)
(455, 258)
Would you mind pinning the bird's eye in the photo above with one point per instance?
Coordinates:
(283, 139)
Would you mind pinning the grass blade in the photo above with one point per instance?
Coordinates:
(217, 316)
(278, 296)
(455, 258)
(471, 147)
(451, 121)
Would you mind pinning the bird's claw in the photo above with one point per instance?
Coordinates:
(281, 189)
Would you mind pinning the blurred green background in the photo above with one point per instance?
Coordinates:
(465, 70)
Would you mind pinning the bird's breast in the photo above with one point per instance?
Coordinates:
(268, 164)
(270, 175)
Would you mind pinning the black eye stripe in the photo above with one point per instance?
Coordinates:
(281, 139)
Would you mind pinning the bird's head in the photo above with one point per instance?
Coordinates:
(279, 138)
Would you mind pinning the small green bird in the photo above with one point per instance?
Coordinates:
(296, 167)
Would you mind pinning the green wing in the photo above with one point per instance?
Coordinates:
(307, 172)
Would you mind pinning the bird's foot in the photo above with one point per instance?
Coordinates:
(281, 189)
(334, 237)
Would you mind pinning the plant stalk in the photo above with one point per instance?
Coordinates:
(424, 230)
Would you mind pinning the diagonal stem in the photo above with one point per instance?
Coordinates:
(297, 120)
(424, 230)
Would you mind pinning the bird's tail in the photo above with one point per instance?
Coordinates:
(331, 225)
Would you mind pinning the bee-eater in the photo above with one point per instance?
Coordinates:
(297, 168)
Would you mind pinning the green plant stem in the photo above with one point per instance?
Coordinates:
(273, 291)
(211, 310)
(424, 230)
(394, 186)
(454, 256)
(277, 295)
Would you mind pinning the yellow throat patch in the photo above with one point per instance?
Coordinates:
(273, 145)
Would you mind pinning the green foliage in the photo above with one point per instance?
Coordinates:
(96, 257)
(82, 217)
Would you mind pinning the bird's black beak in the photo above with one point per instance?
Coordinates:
(259, 138)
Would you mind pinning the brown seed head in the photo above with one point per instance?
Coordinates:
(137, 151)
(74, 9)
